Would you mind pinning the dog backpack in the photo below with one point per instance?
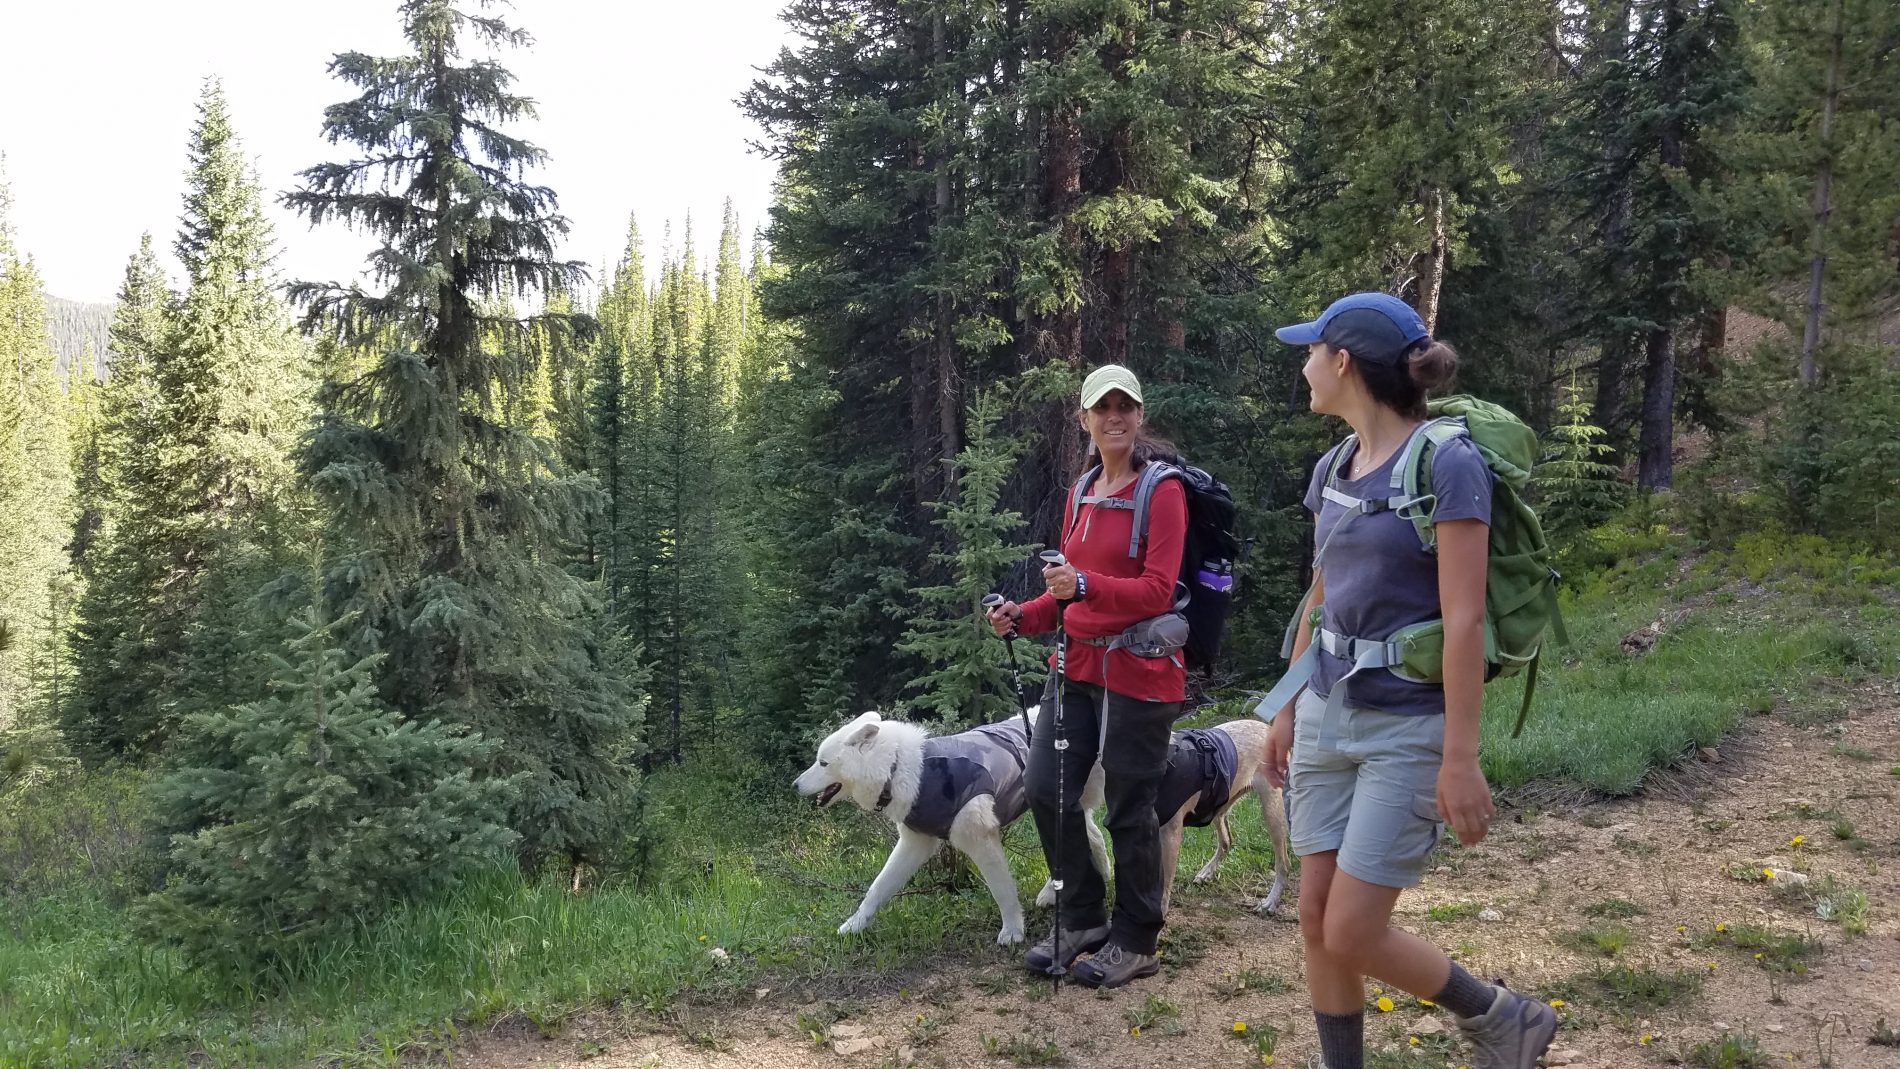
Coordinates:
(1520, 599)
(1208, 555)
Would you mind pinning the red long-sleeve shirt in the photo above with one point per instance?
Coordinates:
(1123, 590)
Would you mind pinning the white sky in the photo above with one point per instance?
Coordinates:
(635, 98)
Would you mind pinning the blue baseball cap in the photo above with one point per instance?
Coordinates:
(1377, 328)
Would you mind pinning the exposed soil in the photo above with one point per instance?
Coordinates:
(1689, 853)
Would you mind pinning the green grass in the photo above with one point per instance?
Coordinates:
(1629, 989)
(1731, 1051)
(1605, 720)
(1605, 939)
(83, 991)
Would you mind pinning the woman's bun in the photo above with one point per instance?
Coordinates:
(1432, 366)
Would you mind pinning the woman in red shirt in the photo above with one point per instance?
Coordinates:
(1117, 706)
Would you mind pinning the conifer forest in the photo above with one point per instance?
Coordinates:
(325, 600)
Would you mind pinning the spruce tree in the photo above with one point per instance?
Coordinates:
(967, 681)
(205, 511)
(315, 809)
(36, 482)
(1575, 487)
(451, 524)
(117, 617)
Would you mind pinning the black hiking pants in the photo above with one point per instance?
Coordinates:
(1134, 753)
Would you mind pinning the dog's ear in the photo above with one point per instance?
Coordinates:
(865, 733)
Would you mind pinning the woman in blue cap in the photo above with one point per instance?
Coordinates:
(1373, 762)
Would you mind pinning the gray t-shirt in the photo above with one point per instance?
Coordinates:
(1379, 577)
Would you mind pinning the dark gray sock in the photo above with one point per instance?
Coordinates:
(1465, 994)
(1342, 1040)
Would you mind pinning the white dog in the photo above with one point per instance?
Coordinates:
(968, 787)
(965, 788)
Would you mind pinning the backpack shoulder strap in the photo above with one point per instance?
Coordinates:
(1151, 475)
(1412, 475)
(1075, 504)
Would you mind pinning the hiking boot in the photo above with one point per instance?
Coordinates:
(1113, 966)
(1513, 1034)
(1042, 957)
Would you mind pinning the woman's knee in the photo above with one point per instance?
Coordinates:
(1352, 940)
(1313, 918)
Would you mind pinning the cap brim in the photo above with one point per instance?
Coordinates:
(1299, 333)
(1088, 401)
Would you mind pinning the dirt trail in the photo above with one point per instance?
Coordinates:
(1676, 853)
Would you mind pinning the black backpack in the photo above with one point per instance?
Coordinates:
(1208, 557)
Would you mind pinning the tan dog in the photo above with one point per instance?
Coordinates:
(1250, 776)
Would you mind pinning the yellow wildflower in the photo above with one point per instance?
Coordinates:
(1414, 1041)
(1711, 966)
(1645, 1039)
(1135, 1031)
(1266, 1059)
(1797, 840)
(1385, 1004)
(1682, 929)
(1720, 927)
(1758, 956)
(702, 939)
(1427, 1003)
(1768, 874)
(1240, 1026)
(1557, 1004)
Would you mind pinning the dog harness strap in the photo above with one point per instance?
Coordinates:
(884, 796)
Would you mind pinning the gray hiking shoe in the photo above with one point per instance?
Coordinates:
(1113, 966)
(1513, 1034)
(1042, 957)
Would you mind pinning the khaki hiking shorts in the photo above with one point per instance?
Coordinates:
(1365, 783)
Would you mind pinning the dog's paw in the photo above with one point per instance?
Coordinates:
(855, 925)
(1047, 897)
(1010, 934)
(1204, 875)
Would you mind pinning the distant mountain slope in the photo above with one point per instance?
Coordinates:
(74, 324)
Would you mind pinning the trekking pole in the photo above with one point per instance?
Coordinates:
(991, 601)
(1053, 558)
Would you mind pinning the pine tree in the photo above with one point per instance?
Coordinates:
(1575, 487)
(206, 510)
(967, 681)
(1419, 91)
(315, 809)
(116, 629)
(1820, 150)
(36, 483)
(452, 524)
(620, 399)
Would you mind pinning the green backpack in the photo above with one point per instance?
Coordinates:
(1520, 602)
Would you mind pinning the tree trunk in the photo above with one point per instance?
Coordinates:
(1612, 385)
(1823, 202)
(1432, 283)
(1655, 464)
(921, 372)
(1655, 470)
(1062, 191)
(949, 399)
(1114, 310)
